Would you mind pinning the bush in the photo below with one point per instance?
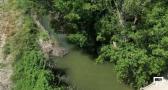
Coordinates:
(78, 39)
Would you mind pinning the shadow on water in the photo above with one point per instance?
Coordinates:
(59, 74)
(60, 78)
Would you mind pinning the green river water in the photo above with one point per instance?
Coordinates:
(83, 72)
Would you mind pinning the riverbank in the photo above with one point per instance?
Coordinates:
(29, 69)
(48, 44)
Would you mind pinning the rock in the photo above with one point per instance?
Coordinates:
(59, 51)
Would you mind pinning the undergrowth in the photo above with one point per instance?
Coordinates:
(30, 72)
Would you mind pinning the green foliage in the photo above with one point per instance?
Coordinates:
(133, 66)
(139, 29)
(131, 34)
(72, 16)
(105, 28)
(30, 73)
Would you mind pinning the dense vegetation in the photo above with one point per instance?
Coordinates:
(131, 34)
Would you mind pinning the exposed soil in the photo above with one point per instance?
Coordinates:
(5, 63)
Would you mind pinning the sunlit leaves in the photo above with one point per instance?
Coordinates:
(72, 16)
(89, 6)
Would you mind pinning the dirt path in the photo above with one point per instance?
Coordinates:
(5, 64)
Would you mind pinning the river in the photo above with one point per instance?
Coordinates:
(84, 73)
